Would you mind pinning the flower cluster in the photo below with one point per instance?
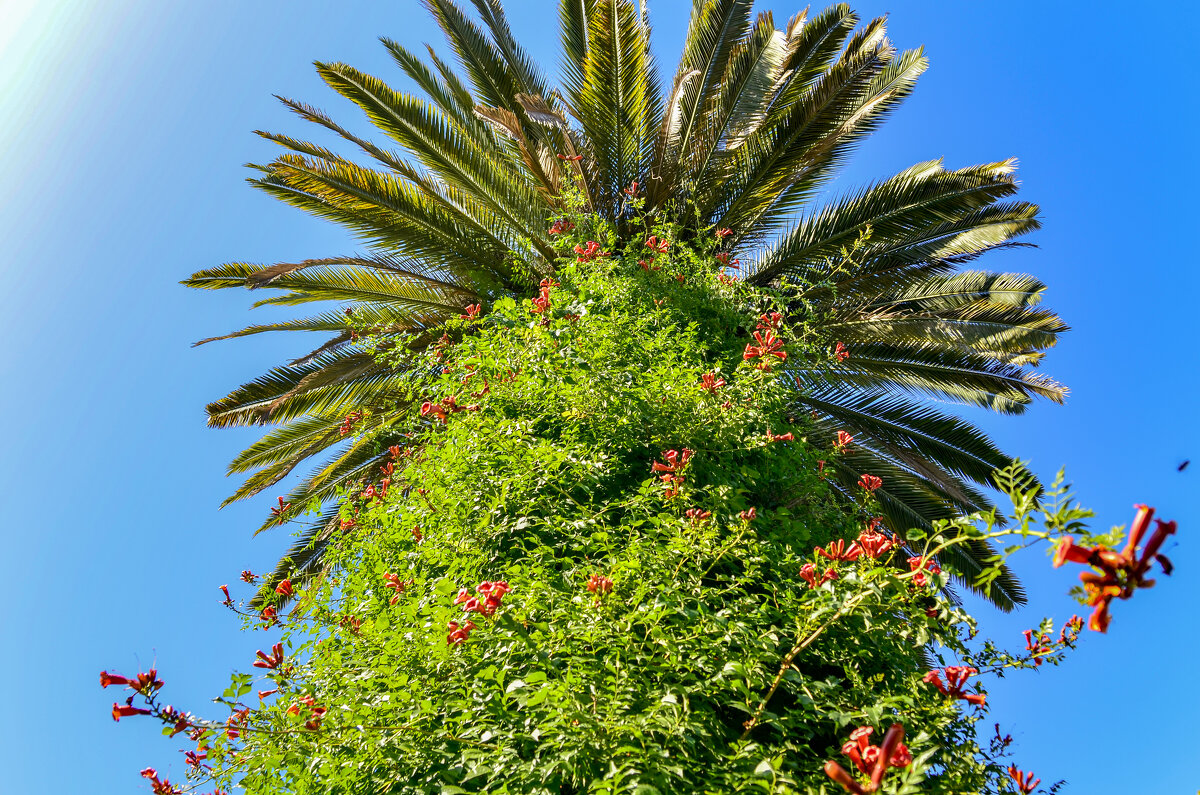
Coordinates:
(599, 585)
(711, 382)
(871, 760)
(472, 312)
(723, 258)
(146, 683)
(396, 584)
(956, 678)
(842, 441)
(658, 246)
(1118, 575)
(541, 304)
(458, 634)
(808, 573)
(348, 421)
(490, 594)
(921, 565)
(159, 786)
(768, 345)
(315, 713)
(280, 512)
(1025, 781)
(840, 352)
(589, 252)
(697, 516)
(676, 462)
(870, 482)
(444, 408)
(272, 660)
(562, 225)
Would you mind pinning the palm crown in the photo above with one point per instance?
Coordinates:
(754, 123)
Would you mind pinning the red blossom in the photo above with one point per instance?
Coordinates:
(280, 513)
(748, 515)
(394, 582)
(584, 254)
(870, 760)
(821, 467)
(696, 516)
(658, 246)
(781, 437)
(922, 565)
(870, 482)
(561, 226)
(269, 616)
(768, 345)
(956, 678)
(284, 588)
(599, 584)
(631, 191)
(265, 693)
(225, 590)
(711, 382)
(840, 352)
(842, 441)
(472, 312)
(274, 660)
(837, 551)
(723, 233)
(723, 258)
(1025, 781)
(458, 633)
(1038, 648)
(770, 320)
(249, 576)
(126, 710)
(873, 543)
(107, 679)
(571, 158)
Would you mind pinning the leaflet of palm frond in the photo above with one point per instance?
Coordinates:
(739, 102)
(956, 375)
(980, 328)
(896, 422)
(714, 31)
(907, 501)
(302, 562)
(389, 213)
(296, 440)
(442, 287)
(797, 181)
(963, 289)
(616, 101)
(438, 144)
(800, 143)
(277, 395)
(919, 206)
(359, 461)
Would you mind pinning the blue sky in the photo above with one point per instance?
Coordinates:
(126, 126)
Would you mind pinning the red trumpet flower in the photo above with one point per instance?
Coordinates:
(956, 678)
(280, 512)
(840, 352)
(249, 576)
(658, 246)
(225, 590)
(769, 320)
(126, 710)
(1037, 649)
(458, 633)
(768, 345)
(915, 564)
(1025, 781)
(710, 383)
(870, 482)
(599, 584)
(107, 679)
(472, 312)
(284, 588)
(842, 441)
(723, 233)
(562, 226)
(837, 551)
(394, 582)
(873, 543)
(571, 158)
(781, 437)
(631, 191)
(748, 515)
(870, 760)
(1117, 575)
(274, 660)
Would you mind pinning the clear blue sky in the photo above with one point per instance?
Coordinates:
(125, 126)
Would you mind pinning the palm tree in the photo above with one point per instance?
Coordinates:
(754, 123)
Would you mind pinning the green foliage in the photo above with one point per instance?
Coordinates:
(705, 660)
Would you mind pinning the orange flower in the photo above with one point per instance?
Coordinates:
(870, 482)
